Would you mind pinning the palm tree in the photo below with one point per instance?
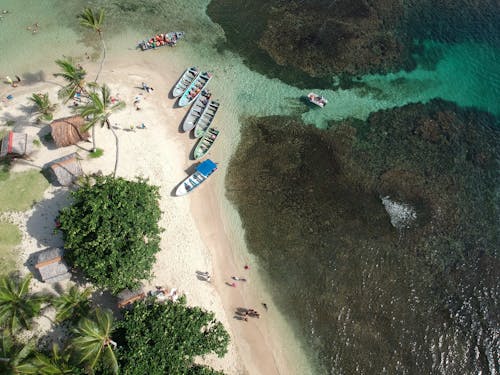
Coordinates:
(44, 106)
(74, 76)
(99, 109)
(74, 304)
(93, 341)
(15, 358)
(17, 306)
(94, 20)
(58, 363)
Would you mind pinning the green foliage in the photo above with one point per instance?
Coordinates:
(74, 304)
(20, 190)
(165, 338)
(93, 343)
(44, 107)
(111, 231)
(15, 359)
(92, 20)
(57, 362)
(74, 75)
(10, 237)
(10, 122)
(100, 108)
(97, 153)
(37, 142)
(17, 305)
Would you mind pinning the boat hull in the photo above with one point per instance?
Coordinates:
(205, 144)
(185, 81)
(161, 40)
(206, 119)
(317, 99)
(195, 89)
(196, 111)
(203, 171)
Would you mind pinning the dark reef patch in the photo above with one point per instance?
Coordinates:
(367, 297)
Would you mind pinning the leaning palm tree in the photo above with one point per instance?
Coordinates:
(74, 304)
(74, 75)
(15, 358)
(44, 107)
(17, 306)
(99, 109)
(93, 342)
(57, 363)
(94, 20)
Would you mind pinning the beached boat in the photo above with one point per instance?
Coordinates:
(186, 79)
(203, 171)
(317, 99)
(205, 143)
(160, 40)
(196, 111)
(194, 89)
(206, 119)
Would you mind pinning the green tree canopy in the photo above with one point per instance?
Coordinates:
(165, 338)
(111, 231)
(15, 358)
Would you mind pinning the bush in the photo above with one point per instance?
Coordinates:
(97, 153)
(111, 231)
(159, 339)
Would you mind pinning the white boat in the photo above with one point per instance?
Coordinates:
(206, 119)
(203, 171)
(317, 99)
(196, 111)
(186, 79)
(205, 143)
(195, 89)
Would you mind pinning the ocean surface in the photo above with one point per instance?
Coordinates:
(464, 69)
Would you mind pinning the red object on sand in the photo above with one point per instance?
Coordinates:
(246, 267)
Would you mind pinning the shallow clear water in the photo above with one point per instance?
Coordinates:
(467, 72)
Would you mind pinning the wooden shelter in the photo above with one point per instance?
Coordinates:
(51, 265)
(127, 297)
(16, 144)
(68, 131)
(66, 170)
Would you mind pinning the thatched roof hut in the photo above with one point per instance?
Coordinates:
(127, 297)
(66, 170)
(16, 144)
(68, 131)
(51, 265)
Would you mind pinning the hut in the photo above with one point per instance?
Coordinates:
(128, 297)
(68, 131)
(51, 266)
(16, 144)
(64, 171)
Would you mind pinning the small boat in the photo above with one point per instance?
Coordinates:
(196, 111)
(194, 89)
(206, 119)
(186, 79)
(317, 99)
(203, 171)
(205, 143)
(160, 40)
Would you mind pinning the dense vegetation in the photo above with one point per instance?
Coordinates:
(165, 338)
(111, 231)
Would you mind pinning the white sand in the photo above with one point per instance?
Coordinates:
(197, 233)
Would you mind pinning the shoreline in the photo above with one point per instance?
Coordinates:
(161, 154)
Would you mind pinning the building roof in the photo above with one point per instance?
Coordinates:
(51, 265)
(16, 144)
(68, 131)
(127, 296)
(67, 169)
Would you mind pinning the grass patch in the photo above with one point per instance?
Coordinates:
(97, 154)
(10, 237)
(20, 190)
(37, 142)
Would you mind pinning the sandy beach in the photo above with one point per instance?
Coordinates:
(199, 236)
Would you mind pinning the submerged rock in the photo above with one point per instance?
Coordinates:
(368, 297)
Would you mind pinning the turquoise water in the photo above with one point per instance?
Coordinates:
(467, 72)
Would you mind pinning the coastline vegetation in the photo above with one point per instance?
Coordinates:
(10, 237)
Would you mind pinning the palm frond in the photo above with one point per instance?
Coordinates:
(92, 20)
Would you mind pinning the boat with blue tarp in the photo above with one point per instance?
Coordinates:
(202, 172)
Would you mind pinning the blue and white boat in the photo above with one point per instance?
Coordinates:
(203, 171)
(195, 89)
(185, 81)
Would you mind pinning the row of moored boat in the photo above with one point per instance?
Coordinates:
(192, 89)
